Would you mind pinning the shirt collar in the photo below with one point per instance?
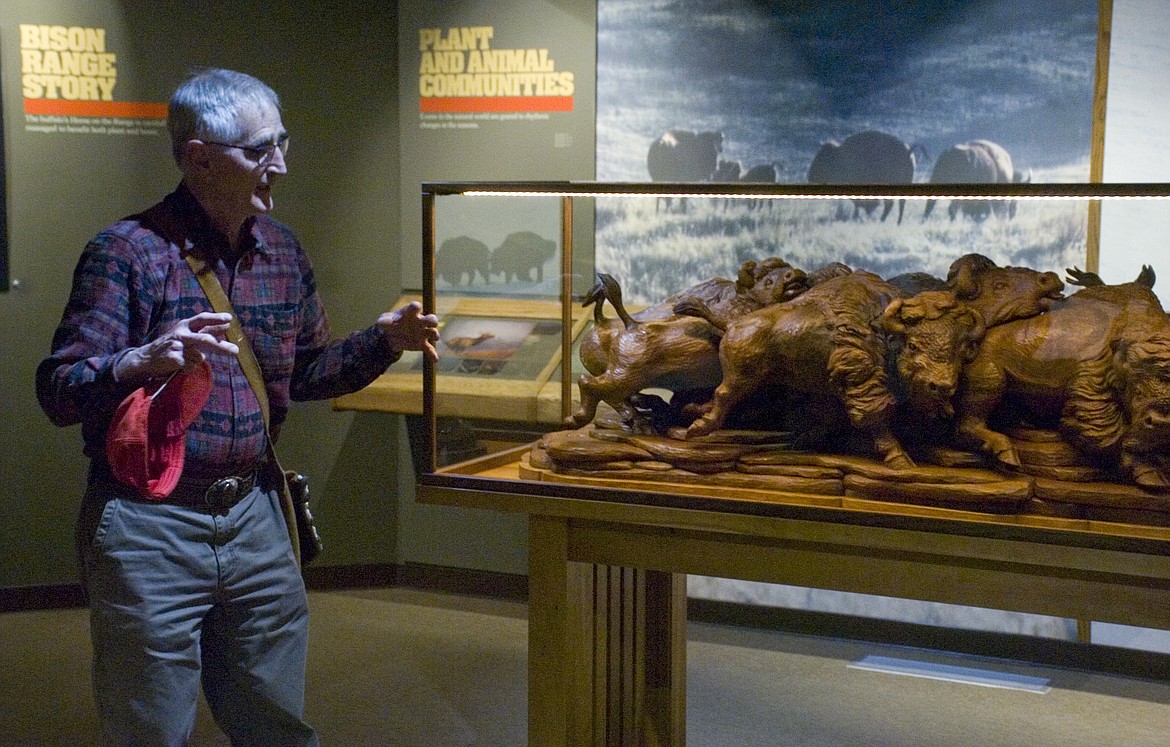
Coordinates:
(201, 236)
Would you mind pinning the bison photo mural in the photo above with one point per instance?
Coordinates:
(976, 162)
(865, 158)
(687, 156)
(838, 93)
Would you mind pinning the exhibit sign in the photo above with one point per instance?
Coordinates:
(460, 72)
(69, 85)
(494, 91)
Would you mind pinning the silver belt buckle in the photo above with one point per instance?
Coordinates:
(223, 492)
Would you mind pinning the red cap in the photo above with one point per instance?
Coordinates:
(147, 438)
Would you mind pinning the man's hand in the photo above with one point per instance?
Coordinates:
(409, 329)
(184, 346)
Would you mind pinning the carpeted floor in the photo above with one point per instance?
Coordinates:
(421, 669)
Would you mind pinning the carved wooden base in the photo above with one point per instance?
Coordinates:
(1053, 479)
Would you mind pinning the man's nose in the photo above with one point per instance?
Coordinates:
(276, 163)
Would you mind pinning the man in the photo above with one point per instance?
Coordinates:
(185, 589)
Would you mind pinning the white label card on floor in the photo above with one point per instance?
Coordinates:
(945, 672)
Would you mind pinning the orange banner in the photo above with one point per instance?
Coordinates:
(124, 109)
(469, 104)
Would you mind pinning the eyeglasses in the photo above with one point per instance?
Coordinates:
(261, 154)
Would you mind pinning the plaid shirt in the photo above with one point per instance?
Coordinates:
(131, 285)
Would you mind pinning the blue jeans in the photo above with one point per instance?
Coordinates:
(181, 597)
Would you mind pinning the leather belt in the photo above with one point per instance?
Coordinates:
(218, 496)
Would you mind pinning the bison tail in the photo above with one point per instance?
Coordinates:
(1146, 277)
(612, 292)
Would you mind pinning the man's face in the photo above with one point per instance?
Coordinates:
(238, 180)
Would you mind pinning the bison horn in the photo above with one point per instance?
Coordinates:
(747, 275)
(891, 317)
(963, 272)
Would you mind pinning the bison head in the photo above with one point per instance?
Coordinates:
(1144, 367)
(770, 281)
(1002, 294)
(939, 334)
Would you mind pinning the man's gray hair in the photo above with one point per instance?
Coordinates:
(209, 106)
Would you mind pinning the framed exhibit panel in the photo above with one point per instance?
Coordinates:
(498, 267)
(499, 360)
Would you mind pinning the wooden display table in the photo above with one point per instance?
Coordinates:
(607, 578)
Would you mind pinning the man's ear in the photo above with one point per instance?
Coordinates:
(196, 155)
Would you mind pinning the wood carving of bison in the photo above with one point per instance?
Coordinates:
(868, 157)
(1001, 294)
(657, 348)
(855, 339)
(1096, 366)
(463, 257)
(976, 162)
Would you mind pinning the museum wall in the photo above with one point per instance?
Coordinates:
(334, 63)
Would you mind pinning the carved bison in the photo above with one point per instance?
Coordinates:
(1001, 294)
(463, 257)
(1096, 366)
(976, 162)
(855, 340)
(868, 157)
(520, 254)
(657, 348)
(684, 156)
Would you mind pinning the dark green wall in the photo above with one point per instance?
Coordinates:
(334, 64)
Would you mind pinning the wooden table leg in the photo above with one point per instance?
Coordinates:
(664, 707)
(560, 640)
(606, 649)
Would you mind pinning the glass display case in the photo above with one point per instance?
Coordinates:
(513, 270)
(625, 502)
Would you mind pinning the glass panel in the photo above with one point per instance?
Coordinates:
(498, 282)
(666, 273)
(659, 246)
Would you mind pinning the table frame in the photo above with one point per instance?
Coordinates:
(607, 584)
